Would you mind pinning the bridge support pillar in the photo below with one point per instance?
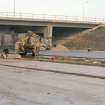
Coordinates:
(48, 35)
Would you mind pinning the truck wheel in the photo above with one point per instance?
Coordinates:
(33, 53)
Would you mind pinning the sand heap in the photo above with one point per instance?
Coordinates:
(60, 47)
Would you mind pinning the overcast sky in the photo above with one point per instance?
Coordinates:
(88, 8)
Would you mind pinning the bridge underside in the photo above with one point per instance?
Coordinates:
(63, 33)
(9, 34)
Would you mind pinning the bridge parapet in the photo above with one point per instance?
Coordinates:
(45, 17)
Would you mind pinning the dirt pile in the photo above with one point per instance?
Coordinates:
(60, 47)
(91, 38)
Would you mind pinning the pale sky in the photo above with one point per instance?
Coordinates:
(88, 8)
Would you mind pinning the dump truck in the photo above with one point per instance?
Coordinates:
(30, 43)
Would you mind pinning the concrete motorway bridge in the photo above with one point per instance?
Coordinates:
(48, 28)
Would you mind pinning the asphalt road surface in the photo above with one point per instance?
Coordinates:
(28, 87)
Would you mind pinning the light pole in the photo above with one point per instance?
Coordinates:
(14, 8)
(84, 8)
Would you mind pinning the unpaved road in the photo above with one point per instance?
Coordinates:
(28, 87)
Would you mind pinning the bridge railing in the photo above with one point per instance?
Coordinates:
(51, 17)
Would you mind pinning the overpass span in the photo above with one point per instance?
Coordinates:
(44, 24)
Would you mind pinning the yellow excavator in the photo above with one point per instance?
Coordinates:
(30, 43)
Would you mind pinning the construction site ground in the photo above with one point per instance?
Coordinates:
(90, 71)
(82, 57)
(49, 79)
(25, 82)
(76, 53)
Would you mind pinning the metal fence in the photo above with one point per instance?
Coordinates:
(50, 17)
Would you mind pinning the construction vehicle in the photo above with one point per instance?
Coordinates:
(30, 43)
